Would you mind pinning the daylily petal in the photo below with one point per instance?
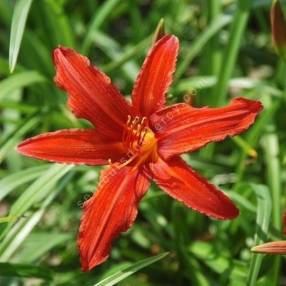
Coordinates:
(178, 180)
(91, 93)
(273, 247)
(155, 77)
(182, 128)
(111, 210)
(73, 146)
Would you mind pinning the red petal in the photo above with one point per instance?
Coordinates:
(155, 76)
(273, 247)
(72, 146)
(109, 212)
(91, 93)
(181, 128)
(177, 179)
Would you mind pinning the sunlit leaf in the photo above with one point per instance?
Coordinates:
(19, 19)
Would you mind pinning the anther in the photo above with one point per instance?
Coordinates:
(128, 120)
(138, 129)
(135, 121)
(144, 120)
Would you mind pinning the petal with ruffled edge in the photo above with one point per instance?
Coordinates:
(75, 146)
(181, 128)
(92, 96)
(155, 77)
(178, 180)
(110, 211)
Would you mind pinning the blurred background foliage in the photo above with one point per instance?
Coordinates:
(225, 51)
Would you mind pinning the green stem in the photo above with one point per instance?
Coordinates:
(214, 56)
(102, 13)
(236, 33)
(218, 97)
(271, 149)
(126, 56)
(200, 42)
(254, 134)
(263, 214)
(280, 74)
(212, 62)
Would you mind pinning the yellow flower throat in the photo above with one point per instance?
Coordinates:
(139, 141)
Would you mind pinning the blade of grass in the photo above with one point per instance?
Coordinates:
(126, 56)
(244, 145)
(39, 189)
(197, 83)
(127, 271)
(11, 141)
(23, 270)
(236, 33)
(264, 205)
(97, 21)
(7, 219)
(214, 53)
(256, 131)
(56, 23)
(19, 19)
(271, 149)
(37, 244)
(120, 58)
(19, 80)
(41, 193)
(200, 42)
(219, 263)
(11, 182)
(18, 233)
(6, 13)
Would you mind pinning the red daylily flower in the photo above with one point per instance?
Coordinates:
(140, 141)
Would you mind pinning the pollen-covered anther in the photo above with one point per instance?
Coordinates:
(135, 134)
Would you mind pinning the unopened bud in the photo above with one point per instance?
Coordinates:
(273, 247)
(278, 27)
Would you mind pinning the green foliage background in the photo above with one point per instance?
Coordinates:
(225, 51)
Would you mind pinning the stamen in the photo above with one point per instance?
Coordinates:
(143, 134)
(138, 130)
(144, 121)
(134, 134)
(126, 162)
(125, 132)
(128, 120)
(109, 161)
(135, 121)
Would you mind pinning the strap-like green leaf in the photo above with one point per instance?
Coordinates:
(19, 19)
(124, 273)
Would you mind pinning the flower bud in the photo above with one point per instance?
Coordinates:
(273, 247)
(278, 27)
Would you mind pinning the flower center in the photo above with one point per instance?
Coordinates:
(139, 140)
